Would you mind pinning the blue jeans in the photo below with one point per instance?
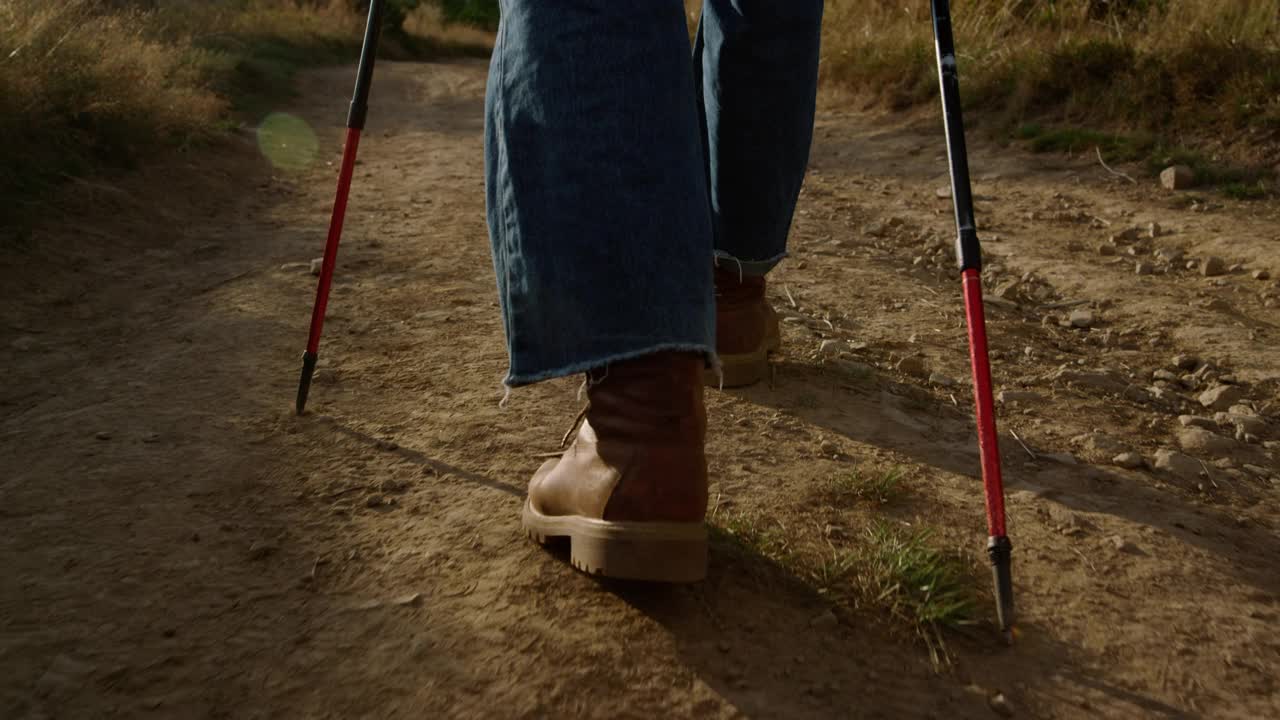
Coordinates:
(617, 171)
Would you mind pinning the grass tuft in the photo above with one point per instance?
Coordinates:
(882, 488)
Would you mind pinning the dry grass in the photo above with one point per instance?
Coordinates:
(1179, 69)
(1181, 72)
(79, 86)
(87, 84)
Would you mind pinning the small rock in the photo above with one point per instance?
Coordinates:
(1178, 177)
(1082, 318)
(261, 549)
(829, 448)
(1099, 445)
(875, 229)
(295, 266)
(1169, 255)
(1106, 249)
(1183, 466)
(1196, 421)
(1129, 461)
(825, 621)
(412, 600)
(1203, 442)
(1144, 268)
(943, 192)
(1213, 266)
(1061, 458)
(102, 436)
(1023, 397)
(1166, 376)
(1221, 397)
(1186, 362)
(151, 438)
(833, 347)
(940, 380)
(317, 265)
(1261, 275)
(23, 344)
(375, 500)
(1122, 545)
(1000, 705)
(913, 365)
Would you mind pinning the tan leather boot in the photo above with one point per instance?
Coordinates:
(746, 329)
(631, 492)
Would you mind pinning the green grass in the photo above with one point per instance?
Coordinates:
(1236, 181)
(881, 488)
(898, 571)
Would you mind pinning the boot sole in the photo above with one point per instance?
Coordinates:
(651, 551)
(743, 369)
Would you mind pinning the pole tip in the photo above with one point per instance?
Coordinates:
(304, 383)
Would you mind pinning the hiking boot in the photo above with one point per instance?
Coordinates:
(746, 329)
(630, 493)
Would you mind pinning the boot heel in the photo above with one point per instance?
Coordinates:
(740, 370)
(652, 551)
(654, 560)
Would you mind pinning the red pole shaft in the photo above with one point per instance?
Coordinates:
(335, 235)
(988, 443)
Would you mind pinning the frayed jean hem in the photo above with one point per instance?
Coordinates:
(515, 380)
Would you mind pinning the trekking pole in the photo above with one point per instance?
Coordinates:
(969, 258)
(355, 124)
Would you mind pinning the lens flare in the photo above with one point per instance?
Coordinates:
(287, 141)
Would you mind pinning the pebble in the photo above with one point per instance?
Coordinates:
(1213, 266)
(1106, 249)
(1183, 466)
(1186, 362)
(941, 380)
(1082, 319)
(1221, 397)
(295, 266)
(102, 436)
(1024, 397)
(1261, 275)
(1196, 421)
(833, 347)
(1144, 268)
(1169, 255)
(999, 704)
(1177, 177)
(1061, 458)
(261, 549)
(825, 621)
(1122, 545)
(24, 343)
(1129, 461)
(913, 365)
(829, 448)
(1166, 376)
(317, 265)
(1204, 442)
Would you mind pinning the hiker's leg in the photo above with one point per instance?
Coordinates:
(597, 201)
(757, 67)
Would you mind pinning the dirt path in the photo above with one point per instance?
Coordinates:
(177, 544)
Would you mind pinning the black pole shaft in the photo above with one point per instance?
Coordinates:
(364, 76)
(968, 250)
